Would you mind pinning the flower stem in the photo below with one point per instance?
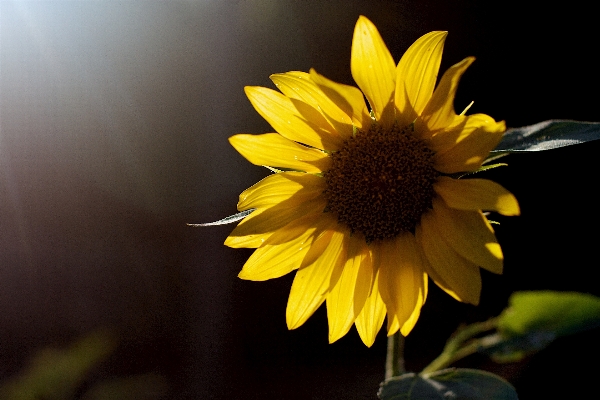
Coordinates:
(394, 362)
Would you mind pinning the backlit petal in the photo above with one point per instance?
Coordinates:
(347, 297)
(274, 150)
(256, 228)
(348, 98)
(285, 117)
(410, 323)
(293, 187)
(373, 70)
(469, 153)
(439, 112)
(379, 259)
(298, 85)
(447, 138)
(277, 199)
(427, 266)
(461, 276)
(401, 277)
(369, 321)
(282, 252)
(470, 234)
(476, 194)
(311, 283)
(416, 76)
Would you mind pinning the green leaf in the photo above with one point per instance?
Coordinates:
(227, 220)
(57, 374)
(452, 383)
(535, 318)
(561, 313)
(548, 135)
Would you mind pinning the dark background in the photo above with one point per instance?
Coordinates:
(114, 119)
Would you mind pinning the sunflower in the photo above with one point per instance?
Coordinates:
(365, 201)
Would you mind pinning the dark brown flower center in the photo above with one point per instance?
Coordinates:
(381, 182)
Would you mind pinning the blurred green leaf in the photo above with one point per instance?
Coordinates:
(452, 383)
(547, 135)
(534, 319)
(55, 374)
(561, 313)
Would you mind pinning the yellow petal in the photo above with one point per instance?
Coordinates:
(447, 138)
(439, 112)
(242, 237)
(416, 76)
(476, 194)
(373, 70)
(379, 258)
(311, 283)
(283, 115)
(294, 188)
(347, 297)
(278, 200)
(369, 321)
(469, 153)
(256, 228)
(348, 98)
(282, 252)
(428, 268)
(386, 256)
(299, 85)
(458, 274)
(401, 277)
(414, 317)
(469, 233)
(393, 323)
(306, 105)
(274, 150)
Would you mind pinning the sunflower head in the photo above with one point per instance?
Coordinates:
(388, 174)
(365, 202)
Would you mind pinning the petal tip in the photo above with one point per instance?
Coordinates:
(363, 19)
(442, 34)
(249, 89)
(368, 341)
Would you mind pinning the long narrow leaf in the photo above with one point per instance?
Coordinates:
(227, 220)
(548, 135)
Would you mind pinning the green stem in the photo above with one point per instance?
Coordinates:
(394, 362)
(446, 359)
(456, 348)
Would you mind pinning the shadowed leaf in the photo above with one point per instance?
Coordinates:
(453, 383)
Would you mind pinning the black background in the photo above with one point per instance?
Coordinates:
(114, 119)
